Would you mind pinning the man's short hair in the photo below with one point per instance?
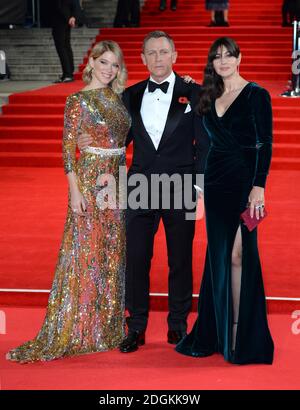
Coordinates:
(158, 34)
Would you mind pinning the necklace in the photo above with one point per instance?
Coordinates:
(232, 91)
(236, 89)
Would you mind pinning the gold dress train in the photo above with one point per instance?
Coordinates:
(85, 310)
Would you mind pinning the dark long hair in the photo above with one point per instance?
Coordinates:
(213, 85)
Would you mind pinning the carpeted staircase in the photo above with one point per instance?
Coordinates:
(31, 124)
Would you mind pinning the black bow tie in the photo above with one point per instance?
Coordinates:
(152, 86)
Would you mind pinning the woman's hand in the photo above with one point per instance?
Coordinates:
(77, 202)
(84, 140)
(257, 201)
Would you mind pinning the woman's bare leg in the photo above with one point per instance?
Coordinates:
(236, 275)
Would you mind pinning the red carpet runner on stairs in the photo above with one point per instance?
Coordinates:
(31, 130)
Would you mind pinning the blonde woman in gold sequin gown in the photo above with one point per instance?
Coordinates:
(85, 312)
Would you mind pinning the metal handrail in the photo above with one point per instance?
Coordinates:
(35, 14)
(295, 89)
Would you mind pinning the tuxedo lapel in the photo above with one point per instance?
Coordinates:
(136, 103)
(175, 112)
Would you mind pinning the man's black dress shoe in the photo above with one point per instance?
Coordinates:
(163, 5)
(173, 5)
(64, 80)
(174, 336)
(132, 342)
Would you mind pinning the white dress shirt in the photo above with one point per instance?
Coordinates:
(154, 109)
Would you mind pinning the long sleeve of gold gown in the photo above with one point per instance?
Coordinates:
(72, 122)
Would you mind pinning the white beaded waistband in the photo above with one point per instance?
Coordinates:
(105, 151)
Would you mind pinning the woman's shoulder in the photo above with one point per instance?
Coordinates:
(73, 97)
(73, 102)
(257, 91)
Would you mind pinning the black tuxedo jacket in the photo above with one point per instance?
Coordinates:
(184, 143)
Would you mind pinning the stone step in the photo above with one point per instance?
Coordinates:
(53, 59)
(30, 52)
(94, 6)
(40, 43)
(44, 39)
(104, 10)
(43, 69)
(37, 52)
(41, 32)
(36, 77)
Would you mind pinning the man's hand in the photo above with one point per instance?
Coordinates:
(188, 79)
(84, 140)
(72, 22)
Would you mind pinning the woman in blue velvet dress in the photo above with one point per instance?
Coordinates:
(237, 115)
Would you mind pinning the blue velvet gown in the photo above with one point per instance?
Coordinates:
(239, 158)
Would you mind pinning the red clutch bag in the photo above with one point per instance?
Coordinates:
(252, 223)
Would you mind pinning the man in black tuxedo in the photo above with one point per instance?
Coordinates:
(64, 14)
(167, 136)
(168, 139)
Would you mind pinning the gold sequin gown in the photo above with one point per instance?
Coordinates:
(85, 310)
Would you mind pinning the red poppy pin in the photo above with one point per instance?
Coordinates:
(183, 100)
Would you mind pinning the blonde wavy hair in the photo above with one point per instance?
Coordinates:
(119, 83)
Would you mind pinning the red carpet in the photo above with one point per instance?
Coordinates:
(34, 199)
(32, 214)
(154, 366)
